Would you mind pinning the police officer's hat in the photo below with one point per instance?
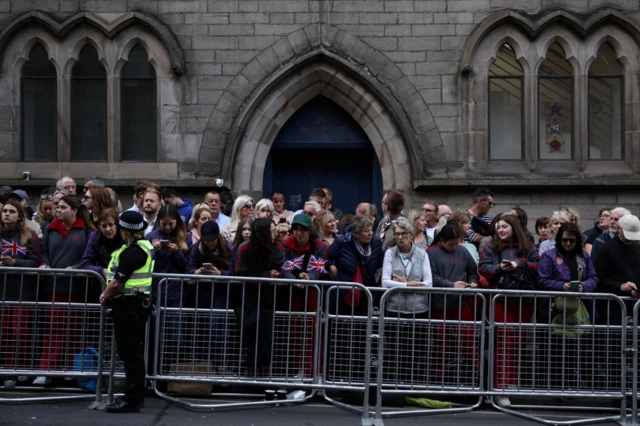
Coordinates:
(131, 221)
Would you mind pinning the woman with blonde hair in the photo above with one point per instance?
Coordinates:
(326, 225)
(242, 208)
(418, 221)
(557, 219)
(201, 214)
(277, 198)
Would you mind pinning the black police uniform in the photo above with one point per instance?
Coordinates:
(130, 315)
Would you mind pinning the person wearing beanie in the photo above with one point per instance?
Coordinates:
(212, 255)
(127, 293)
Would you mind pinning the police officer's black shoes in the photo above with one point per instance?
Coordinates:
(121, 405)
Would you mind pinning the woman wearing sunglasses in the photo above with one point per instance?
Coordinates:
(567, 269)
(242, 208)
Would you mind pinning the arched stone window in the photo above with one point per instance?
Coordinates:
(578, 85)
(505, 106)
(38, 98)
(555, 106)
(606, 106)
(138, 106)
(88, 108)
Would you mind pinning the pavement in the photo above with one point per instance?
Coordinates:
(312, 413)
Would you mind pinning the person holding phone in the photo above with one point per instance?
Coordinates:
(19, 250)
(568, 269)
(509, 254)
(558, 267)
(453, 266)
(211, 256)
(170, 245)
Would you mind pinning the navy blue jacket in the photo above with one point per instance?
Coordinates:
(345, 256)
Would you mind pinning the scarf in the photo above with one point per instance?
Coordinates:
(365, 252)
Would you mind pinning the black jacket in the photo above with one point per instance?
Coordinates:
(616, 264)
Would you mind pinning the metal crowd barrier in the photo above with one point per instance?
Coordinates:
(51, 326)
(563, 360)
(435, 352)
(258, 332)
(305, 338)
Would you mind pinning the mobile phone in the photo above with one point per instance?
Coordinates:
(283, 220)
(207, 266)
(398, 273)
(164, 242)
(575, 285)
(506, 262)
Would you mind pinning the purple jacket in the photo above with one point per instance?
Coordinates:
(98, 252)
(553, 272)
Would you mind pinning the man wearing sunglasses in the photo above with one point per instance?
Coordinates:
(479, 212)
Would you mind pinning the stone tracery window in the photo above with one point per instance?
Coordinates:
(138, 133)
(606, 105)
(38, 102)
(578, 85)
(505, 106)
(88, 108)
(67, 88)
(555, 106)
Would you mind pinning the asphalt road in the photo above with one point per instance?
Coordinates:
(313, 413)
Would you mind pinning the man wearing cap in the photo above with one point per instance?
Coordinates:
(128, 292)
(23, 199)
(617, 264)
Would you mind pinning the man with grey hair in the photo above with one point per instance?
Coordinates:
(616, 214)
(67, 184)
(617, 263)
(91, 182)
(311, 208)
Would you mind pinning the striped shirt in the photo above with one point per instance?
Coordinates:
(472, 233)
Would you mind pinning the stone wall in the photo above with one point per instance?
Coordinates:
(406, 55)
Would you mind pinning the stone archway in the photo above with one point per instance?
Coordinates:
(320, 59)
(319, 78)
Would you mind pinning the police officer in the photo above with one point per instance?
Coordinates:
(127, 293)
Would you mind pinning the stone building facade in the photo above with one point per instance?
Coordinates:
(537, 99)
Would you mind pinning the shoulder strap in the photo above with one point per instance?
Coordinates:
(580, 267)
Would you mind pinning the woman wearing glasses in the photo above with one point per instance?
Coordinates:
(96, 200)
(242, 208)
(406, 265)
(45, 209)
(602, 226)
(567, 268)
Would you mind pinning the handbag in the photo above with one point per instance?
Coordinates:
(518, 279)
(569, 304)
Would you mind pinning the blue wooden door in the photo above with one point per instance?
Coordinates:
(321, 145)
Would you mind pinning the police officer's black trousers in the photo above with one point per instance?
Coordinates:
(129, 324)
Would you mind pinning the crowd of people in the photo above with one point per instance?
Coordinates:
(433, 246)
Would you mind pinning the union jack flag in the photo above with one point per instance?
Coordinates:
(11, 248)
(317, 264)
(295, 264)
